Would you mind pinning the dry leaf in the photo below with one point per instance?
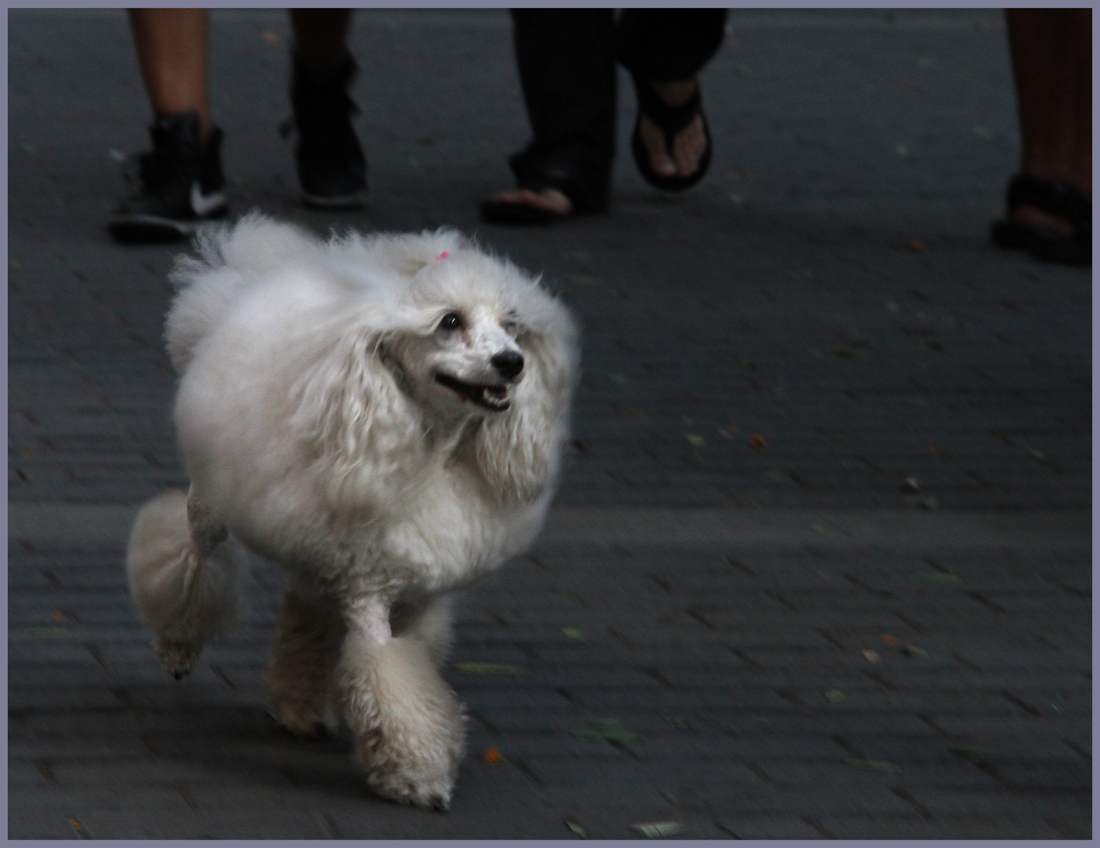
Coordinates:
(695, 440)
(916, 245)
(757, 442)
(834, 695)
(872, 656)
(573, 632)
(936, 449)
(269, 37)
(888, 639)
(59, 617)
(493, 757)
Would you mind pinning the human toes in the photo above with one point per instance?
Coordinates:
(654, 141)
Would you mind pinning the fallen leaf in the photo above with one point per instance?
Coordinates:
(48, 633)
(911, 485)
(724, 433)
(493, 757)
(937, 577)
(606, 730)
(970, 751)
(269, 37)
(915, 245)
(1038, 454)
(658, 830)
(695, 440)
(872, 656)
(733, 428)
(59, 617)
(486, 668)
(79, 828)
(573, 632)
(936, 449)
(834, 695)
(874, 765)
(888, 639)
(757, 442)
(576, 828)
(914, 651)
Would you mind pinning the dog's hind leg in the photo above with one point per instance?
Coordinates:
(186, 575)
(408, 724)
(431, 623)
(305, 648)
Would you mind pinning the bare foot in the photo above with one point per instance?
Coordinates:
(1025, 213)
(688, 146)
(547, 199)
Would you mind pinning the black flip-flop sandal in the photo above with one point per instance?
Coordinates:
(518, 212)
(1055, 198)
(670, 120)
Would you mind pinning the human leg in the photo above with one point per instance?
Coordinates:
(332, 170)
(664, 50)
(1050, 206)
(172, 52)
(566, 64)
(179, 183)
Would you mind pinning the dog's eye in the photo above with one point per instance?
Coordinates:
(451, 321)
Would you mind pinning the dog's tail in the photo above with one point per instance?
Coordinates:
(186, 576)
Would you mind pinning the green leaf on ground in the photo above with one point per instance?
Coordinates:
(606, 730)
(486, 668)
(658, 830)
(874, 765)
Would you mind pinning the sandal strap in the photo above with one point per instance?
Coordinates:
(1054, 197)
(670, 119)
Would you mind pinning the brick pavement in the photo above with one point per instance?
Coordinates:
(687, 641)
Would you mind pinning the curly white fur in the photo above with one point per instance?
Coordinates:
(382, 415)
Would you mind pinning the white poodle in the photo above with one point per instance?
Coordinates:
(383, 416)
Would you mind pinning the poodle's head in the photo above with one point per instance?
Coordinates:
(466, 336)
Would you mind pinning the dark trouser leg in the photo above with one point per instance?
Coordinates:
(669, 45)
(566, 65)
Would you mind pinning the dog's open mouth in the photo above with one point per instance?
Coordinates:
(494, 398)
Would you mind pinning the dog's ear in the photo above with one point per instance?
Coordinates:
(358, 422)
(519, 452)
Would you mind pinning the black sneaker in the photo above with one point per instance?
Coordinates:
(177, 185)
(332, 171)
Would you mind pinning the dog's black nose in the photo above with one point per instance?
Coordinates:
(508, 363)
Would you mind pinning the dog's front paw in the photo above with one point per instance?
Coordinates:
(425, 783)
(178, 658)
(416, 768)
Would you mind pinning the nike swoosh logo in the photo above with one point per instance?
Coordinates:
(204, 204)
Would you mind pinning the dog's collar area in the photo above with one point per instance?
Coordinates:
(493, 398)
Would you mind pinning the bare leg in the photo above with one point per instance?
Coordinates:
(407, 722)
(320, 36)
(305, 648)
(1052, 64)
(172, 51)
